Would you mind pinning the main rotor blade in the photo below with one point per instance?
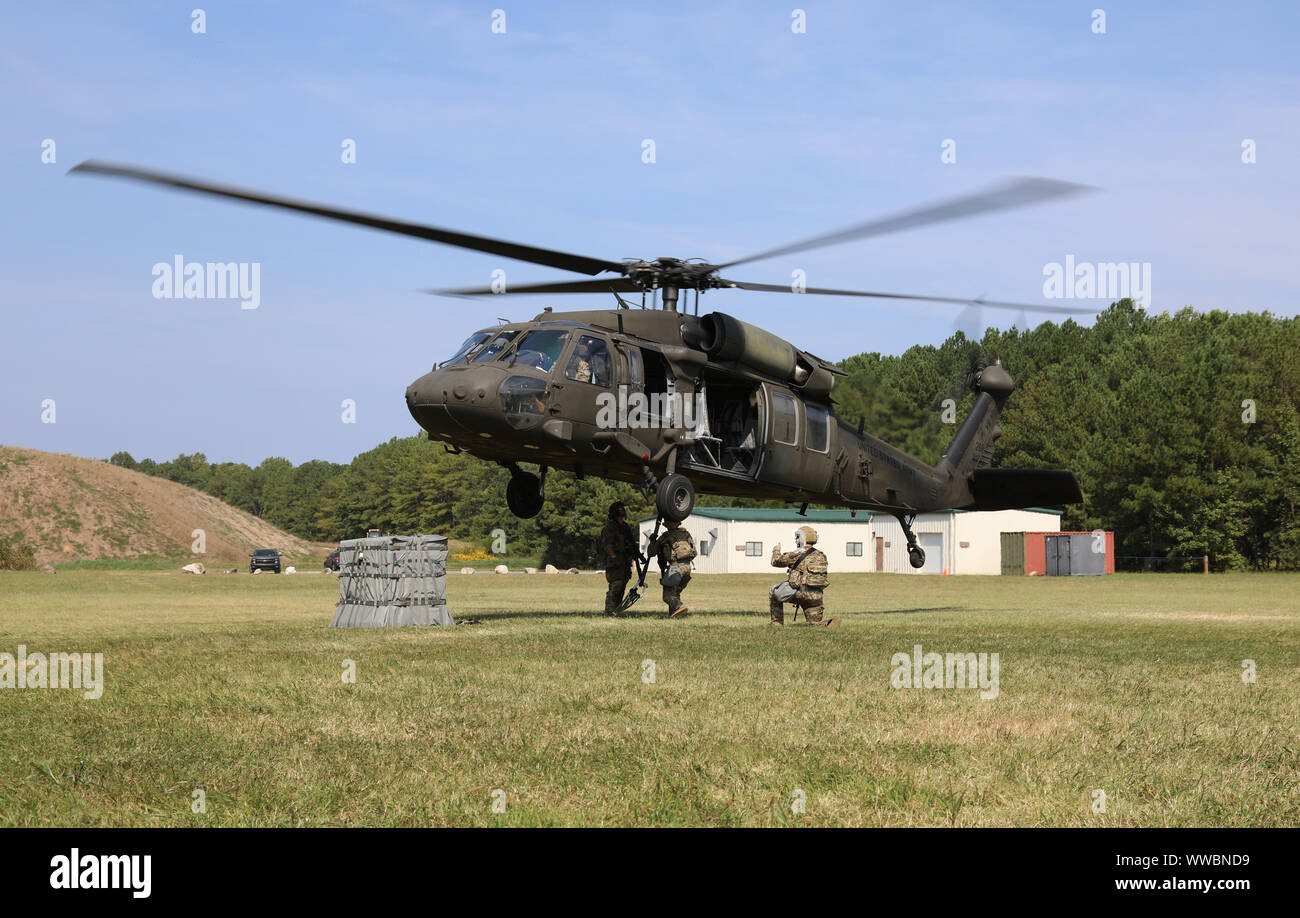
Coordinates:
(1015, 193)
(611, 285)
(993, 304)
(537, 256)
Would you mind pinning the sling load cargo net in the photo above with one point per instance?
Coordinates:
(390, 581)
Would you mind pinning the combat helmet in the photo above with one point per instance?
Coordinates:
(809, 535)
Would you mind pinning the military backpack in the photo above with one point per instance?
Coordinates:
(680, 548)
(810, 572)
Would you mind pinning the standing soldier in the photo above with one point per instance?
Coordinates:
(619, 547)
(675, 550)
(805, 581)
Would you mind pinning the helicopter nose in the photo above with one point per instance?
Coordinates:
(424, 391)
(426, 402)
(455, 401)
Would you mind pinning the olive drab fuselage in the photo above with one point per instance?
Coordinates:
(679, 402)
(555, 391)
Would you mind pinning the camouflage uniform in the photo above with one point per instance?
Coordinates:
(675, 549)
(808, 576)
(618, 570)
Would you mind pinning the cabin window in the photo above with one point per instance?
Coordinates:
(818, 428)
(785, 419)
(590, 362)
(753, 549)
(497, 345)
(540, 349)
(853, 550)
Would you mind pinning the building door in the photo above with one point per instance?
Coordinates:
(880, 553)
(932, 544)
(1057, 551)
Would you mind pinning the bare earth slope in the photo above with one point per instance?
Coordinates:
(74, 508)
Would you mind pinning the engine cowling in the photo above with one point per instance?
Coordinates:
(724, 337)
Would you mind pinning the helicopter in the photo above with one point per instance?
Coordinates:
(679, 403)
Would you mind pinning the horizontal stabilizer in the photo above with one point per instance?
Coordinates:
(1015, 489)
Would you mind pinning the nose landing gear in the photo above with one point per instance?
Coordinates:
(526, 492)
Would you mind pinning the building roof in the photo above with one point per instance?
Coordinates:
(767, 515)
(1050, 510)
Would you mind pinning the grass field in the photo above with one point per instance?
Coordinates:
(1128, 684)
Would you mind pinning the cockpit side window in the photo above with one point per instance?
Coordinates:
(540, 349)
(590, 362)
(497, 345)
(465, 349)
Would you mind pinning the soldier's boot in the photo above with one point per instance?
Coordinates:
(816, 616)
(778, 612)
(678, 608)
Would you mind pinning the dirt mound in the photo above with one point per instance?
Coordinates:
(73, 508)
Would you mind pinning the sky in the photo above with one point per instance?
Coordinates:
(762, 135)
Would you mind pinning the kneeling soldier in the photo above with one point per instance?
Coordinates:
(805, 581)
(675, 550)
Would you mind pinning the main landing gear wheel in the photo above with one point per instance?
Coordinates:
(524, 495)
(916, 556)
(675, 498)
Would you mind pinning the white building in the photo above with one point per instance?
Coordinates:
(736, 540)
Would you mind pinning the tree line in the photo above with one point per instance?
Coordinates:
(1184, 430)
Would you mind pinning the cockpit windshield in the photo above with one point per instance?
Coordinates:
(540, 349)
(496, 346)
(471, 342)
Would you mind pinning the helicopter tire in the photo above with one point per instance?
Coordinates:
(675, 498)
(524, 495)
(916, 556)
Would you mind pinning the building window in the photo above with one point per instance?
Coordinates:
(753, 549)
(705, 548)
(853, 549)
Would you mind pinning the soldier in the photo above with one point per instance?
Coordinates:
(805, 581)
(619, 547)
(740, 430)
(675, 550)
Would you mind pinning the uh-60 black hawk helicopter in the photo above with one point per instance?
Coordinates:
(678, 402)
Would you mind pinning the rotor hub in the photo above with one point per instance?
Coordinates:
(671, 273)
